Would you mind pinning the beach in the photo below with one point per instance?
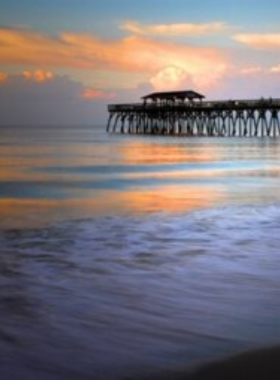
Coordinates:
(259, 364)
(126, 256)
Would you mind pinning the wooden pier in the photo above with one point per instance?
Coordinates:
(186, 113)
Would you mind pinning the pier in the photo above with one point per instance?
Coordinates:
(187, 113)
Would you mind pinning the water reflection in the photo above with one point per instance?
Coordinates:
(21, 213)
(170, 152)
(28, 213)
(57, 175)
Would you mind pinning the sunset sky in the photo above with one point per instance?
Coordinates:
(63, 61)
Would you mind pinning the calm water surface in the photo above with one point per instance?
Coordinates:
(125, 255)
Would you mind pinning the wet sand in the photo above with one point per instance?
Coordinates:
(261, 364)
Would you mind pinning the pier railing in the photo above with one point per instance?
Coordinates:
(221, 104)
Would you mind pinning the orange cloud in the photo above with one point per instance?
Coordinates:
(138, 54)
(3, 77)
(259, 41)
(38, 76)
(175, 29)
(135, 54)
(90, 94)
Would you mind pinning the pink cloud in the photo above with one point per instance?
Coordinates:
(92, 94)
(3, 77)
(259, 40)
(39, 76)
(249, 70)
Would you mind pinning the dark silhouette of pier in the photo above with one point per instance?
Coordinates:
(187, 113)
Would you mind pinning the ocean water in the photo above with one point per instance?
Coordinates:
(123, 256)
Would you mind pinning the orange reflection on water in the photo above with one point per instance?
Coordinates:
(166, 153)
(25, 162)
(33, 213)
(37, 213)
(171, 198)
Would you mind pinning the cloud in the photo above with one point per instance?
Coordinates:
(253, 84)
(275, 69)
(134, 54)
(251, 70)
(61, 101)
(171, 78)
(161, 64)
(259, 41)
(172, 30)
(39, 76)
(53, 102)
(92, 94)
(3, 77)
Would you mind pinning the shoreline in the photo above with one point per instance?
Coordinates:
(259, 364)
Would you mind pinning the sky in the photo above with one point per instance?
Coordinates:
(63, 61)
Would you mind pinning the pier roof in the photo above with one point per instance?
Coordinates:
(174, 95)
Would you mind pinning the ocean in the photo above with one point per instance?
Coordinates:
(124, 256)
